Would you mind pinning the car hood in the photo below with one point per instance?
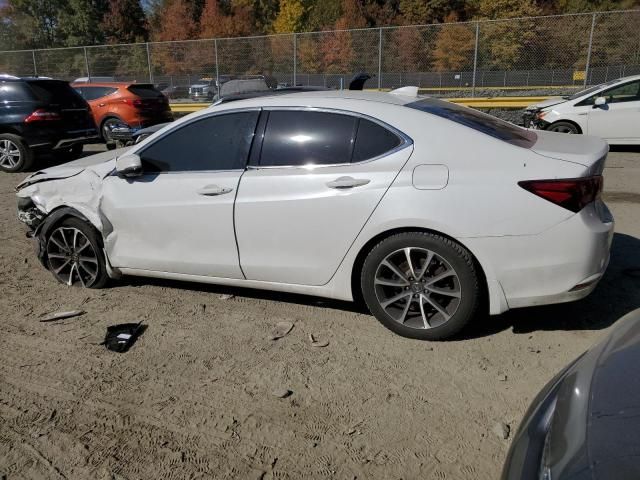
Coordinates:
(546, 103)
(101, 163)
(596, 425)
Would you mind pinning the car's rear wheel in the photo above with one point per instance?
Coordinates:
(563, 127)
(421, 285)
(74, 255)
(15, 156)
(105, 130)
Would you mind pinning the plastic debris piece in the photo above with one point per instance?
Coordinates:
(52, 317)
(282, 329)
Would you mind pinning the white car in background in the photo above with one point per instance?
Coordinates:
(610, 111)
(427, 210)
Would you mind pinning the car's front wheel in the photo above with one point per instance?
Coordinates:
(74, 254)
(421, 285)
(563, 127)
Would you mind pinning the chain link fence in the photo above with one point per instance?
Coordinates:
(524, 56)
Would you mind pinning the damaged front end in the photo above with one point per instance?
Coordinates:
(30, 215)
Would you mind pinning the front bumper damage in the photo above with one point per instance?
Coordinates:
(530, 120)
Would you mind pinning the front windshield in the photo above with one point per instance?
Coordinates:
(589, 90)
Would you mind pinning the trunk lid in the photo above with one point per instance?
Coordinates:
(590, 152)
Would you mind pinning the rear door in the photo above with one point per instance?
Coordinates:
(97, 97)
(318, 178)
(619, 118)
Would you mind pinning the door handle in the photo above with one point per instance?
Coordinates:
(213, 190)
(348, 182)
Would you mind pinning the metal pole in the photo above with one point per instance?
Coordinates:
(475, 61)
(149, 64)
(295, 59)
(379, 58)
(35, 67)
(86, 63)
(215, 47)
(586, 69)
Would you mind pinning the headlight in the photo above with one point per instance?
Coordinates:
(545, 459)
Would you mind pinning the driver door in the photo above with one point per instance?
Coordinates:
(177, 217)
(619, 119)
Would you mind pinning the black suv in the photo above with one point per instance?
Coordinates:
(41, 115)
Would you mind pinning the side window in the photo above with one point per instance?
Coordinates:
(629, 92)
(14, 92)
(373, 140)
(92, 93)
(294, 137)
(220, 142)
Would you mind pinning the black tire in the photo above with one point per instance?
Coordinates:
(54, 244)
(10, 143)
(563, 127)
(448, 255)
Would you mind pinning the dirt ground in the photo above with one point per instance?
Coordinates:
(194, 397)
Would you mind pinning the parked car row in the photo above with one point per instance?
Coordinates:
(42, 115)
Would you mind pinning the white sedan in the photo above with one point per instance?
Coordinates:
(610, 111)
(426, 210)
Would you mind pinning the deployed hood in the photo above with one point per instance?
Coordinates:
(582, 149)
(101, 162)
(546, 103)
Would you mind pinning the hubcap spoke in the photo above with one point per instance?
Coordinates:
(63, 250)
(397, 271)
(417, 288)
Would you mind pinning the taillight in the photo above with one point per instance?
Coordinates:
(42, 115)
(134, 102)
(571, 193)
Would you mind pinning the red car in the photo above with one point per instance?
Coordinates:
(136, 105)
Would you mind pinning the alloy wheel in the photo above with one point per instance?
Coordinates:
(9, 154)
(417, 288)
(562, 129)
(72, 257)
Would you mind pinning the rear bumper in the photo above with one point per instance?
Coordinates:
(559, 265)
(55, 139)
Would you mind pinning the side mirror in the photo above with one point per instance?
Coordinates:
(599, 102)
(129, 165)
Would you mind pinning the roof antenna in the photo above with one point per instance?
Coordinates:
(358, 80)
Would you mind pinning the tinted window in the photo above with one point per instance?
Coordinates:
(145, 91)
(56, 92)
(14, 92)
(629, 92)
(479, 121)
(91, 93)
(373, 140)
(304, 138)
(216, 143)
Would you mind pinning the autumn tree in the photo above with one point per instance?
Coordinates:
(290, 17)
(337, 48)
(125, 22)
(504, 42)
(454, 46)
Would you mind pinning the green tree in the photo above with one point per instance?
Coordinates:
(79, 22)
(35, 22)
(323, 15)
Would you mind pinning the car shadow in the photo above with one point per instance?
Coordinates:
(617, 294)
(624, 148)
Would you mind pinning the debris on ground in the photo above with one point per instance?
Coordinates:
(282, 329)
(282, 392)
(52, 317)
(502, 430)
(317, 343)
(226, 296)
(121, 337)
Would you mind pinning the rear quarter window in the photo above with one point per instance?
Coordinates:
(15, 92)
(145, 91)
(55, 92)
(482, 122)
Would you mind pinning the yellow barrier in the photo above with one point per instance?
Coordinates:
(477, 102)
